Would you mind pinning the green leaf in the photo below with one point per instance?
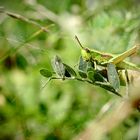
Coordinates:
(67, 74)
(69, 70)
(91, 76)
(113, 77)
(45, 73)
(108, 87)
(82, 74)
(90, 72)
(21, 61)
(58, 66)
(90, 66)
(98, 76)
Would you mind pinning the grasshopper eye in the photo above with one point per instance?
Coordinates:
(87, 50)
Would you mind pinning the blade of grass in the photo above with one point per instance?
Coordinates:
(22, 18)
(14, 50)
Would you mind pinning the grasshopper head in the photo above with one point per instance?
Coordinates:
(86, 54)
(84, 51)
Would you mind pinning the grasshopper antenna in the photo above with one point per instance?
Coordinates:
(79, 42)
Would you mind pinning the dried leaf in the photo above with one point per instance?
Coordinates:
(113, 77)
(82, 65)
(58, 66)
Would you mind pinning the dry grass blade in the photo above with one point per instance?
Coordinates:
(22, 18)
(12, 51)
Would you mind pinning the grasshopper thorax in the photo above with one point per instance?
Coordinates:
(86, 54)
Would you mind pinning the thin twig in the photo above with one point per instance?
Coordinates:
(22, 18)
(13, 50)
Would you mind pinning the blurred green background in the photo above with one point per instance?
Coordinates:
(62, 109)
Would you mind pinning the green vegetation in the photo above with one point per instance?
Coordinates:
(37, 44)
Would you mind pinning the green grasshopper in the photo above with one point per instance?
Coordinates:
(114, 64)
(103, 59)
